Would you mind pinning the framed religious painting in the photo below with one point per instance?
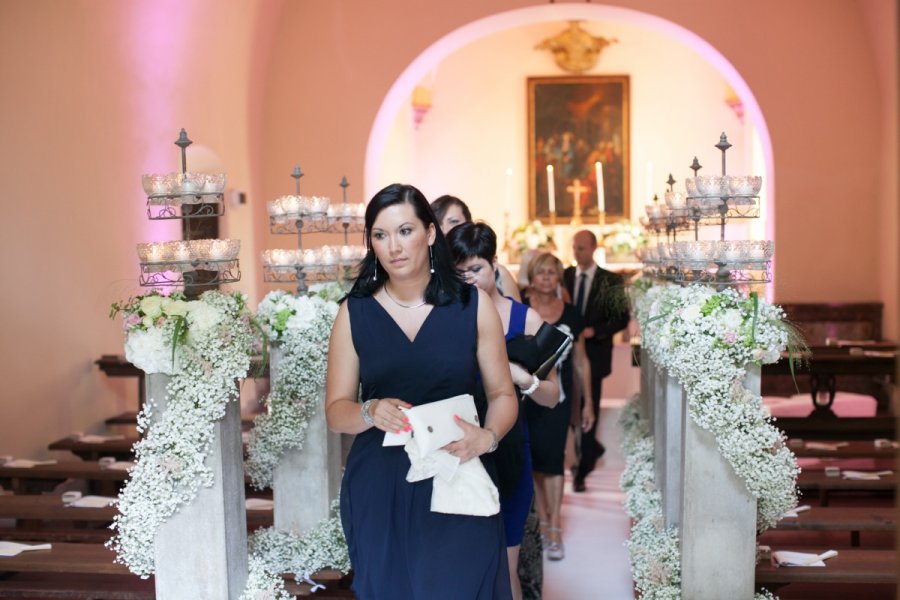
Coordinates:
(578, 148)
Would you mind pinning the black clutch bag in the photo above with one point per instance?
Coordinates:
(538, 353)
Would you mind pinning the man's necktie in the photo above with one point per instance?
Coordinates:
(579, 293)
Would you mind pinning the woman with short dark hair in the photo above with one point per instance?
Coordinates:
(474, 249)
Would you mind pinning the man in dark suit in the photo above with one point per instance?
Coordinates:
(600, 296)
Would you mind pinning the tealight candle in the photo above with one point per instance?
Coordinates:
(347, 253)
(290, 204)
(182, 251)
(329, 256)
(154, 253)
(309, 257)
(159, 184)
(188, 184)
(217, 249)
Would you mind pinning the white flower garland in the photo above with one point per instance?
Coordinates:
(212, 338)
(300, 326)
(273, 552)
(706, 339)
(653, 548)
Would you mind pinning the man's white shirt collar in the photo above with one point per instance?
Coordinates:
(590, 271)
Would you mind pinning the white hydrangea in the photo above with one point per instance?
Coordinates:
(150, 350)
(170, 458)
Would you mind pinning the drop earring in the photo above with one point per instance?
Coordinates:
(431, 257)
(375, 272)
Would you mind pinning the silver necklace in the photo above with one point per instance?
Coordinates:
(400, 304)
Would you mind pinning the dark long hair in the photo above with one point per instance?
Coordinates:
(445, 285)
(442, 204)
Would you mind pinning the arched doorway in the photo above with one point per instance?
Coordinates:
(472, 143)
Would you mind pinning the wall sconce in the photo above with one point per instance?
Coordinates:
(421, 104)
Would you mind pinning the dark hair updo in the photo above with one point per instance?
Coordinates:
(445, 285)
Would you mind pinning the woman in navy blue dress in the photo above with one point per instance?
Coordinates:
(412, 332)
(474, 248)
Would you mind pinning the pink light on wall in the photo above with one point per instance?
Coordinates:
(157, 44)
(428, 60)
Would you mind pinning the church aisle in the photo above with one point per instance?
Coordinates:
(595, 528)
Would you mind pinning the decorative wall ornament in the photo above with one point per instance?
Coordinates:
(575, 50)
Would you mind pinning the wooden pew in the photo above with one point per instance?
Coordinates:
(817, 481)
(849, 449)
(121, 449)
(851, 565)
(845, 518)
(97, 561)
(51, 508)
(43, 478)
(843, 428)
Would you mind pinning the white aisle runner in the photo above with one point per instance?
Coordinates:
(595, 528)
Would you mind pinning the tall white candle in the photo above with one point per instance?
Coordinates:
(601, 199)
(508, 205)
(551, 190)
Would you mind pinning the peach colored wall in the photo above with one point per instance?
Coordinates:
(94, 93)
(808, 63)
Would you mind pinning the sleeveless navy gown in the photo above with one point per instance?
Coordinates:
(399, 549)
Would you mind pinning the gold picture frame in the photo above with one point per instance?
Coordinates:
(575, 122)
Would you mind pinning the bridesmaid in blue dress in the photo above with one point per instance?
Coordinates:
(412, 332)
(474, 249)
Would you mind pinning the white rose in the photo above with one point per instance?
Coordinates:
(732, 319)
(177, 308)
(147, 322)
(165, 303)
(152, 306)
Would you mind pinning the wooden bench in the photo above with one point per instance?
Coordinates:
(848, 449)
(96, 560)
(851, 565)
(825, 323)
(817, 481)
(51, 508)
(43, 478)
(845, 428)
(121, 449)
(846, 518)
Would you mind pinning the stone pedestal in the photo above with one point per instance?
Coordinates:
(718, 523)
(306, 481)
(201, 551)
(672, 432)
(646, 395)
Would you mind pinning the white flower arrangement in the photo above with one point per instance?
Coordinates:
(299, 328)
(706, 339)
(211, 339)
(531, 236)
(623, 238)
(273, 552)
(654, 549)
